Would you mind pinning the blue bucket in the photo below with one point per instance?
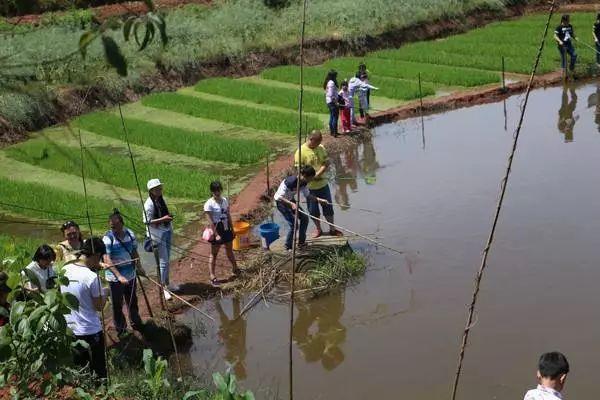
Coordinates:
(269, 233)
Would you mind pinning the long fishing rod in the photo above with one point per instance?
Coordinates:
(504, 184)
(89, 221)
(587, 45)
(296, 215)
(161, 292)
(352, 232)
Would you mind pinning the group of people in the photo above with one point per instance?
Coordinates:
(564, 35)
(340, 99)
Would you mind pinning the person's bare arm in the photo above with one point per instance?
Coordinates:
(322, 169)
(595, 37)
(557, 39)
(109, 264)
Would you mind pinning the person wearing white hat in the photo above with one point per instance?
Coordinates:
(158, 219)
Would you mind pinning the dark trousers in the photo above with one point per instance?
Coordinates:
(119, 294)
(565, 49)
(334, 114)
(93, 356)
(289, 216)
(597, 52)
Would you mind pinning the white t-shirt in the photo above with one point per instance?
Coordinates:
(543, 393)
(41, 274)
(84, 285)
(287, 189)
(218, 211)
(155, 230)
(330, 92)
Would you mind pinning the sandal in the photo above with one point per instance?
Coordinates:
(335, 232)
(317, 234)
(215, 282)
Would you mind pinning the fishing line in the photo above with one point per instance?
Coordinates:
(156, 256)
(503, 185)
(587, 45)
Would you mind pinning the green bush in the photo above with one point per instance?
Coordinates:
(269, 120)
(201, 145)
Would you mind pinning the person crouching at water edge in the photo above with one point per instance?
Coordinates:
(286, 203)
(564, 35)
(551, 374)
(315, 155)
(220, 225)
(122, 260)
(158, 218)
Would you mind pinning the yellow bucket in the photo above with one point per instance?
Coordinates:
(242, 235)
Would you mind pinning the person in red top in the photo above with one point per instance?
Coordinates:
(4, 304)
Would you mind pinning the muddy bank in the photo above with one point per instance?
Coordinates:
(70, 102)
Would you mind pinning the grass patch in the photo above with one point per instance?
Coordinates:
(269, 120)
(314, 76)
(335, 268)
(112, 166)
(205, 146)
(58, 205)
(263, 94)
(442, 74)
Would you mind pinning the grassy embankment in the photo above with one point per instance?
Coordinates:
(224, 127)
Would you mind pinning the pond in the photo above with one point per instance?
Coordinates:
(396, 332)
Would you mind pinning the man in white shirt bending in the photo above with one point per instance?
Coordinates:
(85, 285)
(552, 373)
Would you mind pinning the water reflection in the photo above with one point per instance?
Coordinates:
(233, 335)
(593, 102)
(368, 164)
(318, 331)
(566, 120)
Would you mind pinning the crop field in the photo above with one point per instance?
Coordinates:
(224, 128)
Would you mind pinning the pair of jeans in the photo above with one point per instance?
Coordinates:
(334, 114)
(93, 356)
(119, 294)
(289, 215)
(567, 48)
(597, 52)
(163, 246)
(313, 205)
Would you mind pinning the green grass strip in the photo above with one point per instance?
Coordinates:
(205, 146)
(112, 166)
(269, 120)
(59, 202)
(263, 94)
(314, 76)
(442, 74)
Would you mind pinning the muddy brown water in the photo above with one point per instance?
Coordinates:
(395, 333)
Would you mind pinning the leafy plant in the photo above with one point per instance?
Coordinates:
(336, 268)
(227, 387)
(156, 379)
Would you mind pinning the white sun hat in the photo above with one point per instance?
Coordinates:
(152, 183)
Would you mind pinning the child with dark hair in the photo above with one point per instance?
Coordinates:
(4, 304)
(344, 97)
(564, 35)
(39, 275)
(330, 86)
(552, 373)
(216, 210)
(596, 33)
(286, 203)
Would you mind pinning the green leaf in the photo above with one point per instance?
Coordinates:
(63, 280)
(162, 27)
(70, 301)
(220, 382)
(50, 297)
(248, 395)
(114, 56)
(148, 359)
(232, 384)
(127, 27)
(37, 313)
(150, 30)
(85, 40)
(193, 394)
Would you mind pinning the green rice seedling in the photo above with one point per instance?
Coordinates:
(54, 204)
(269, 120)
(442, 74)
(388, 87)
(263, 94)
(335, 268)
(206, 146)
(112, 166)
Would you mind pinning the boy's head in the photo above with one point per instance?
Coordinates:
(344, 84)
(565, 19)
(363, 76)
(552, 370)
(216, 188)
(307, 173)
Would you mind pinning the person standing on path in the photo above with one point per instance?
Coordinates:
(330, 86)
(158, 219)
(39, 275)
(85, 323)
(364, 95)
(122, 260)
(216, 210)
(286, 204)
(67, 250)
(596, 33)
(313, 154)
(564, 35)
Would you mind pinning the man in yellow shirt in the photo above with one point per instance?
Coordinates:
(313, 153)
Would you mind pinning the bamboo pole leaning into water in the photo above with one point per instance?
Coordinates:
(503, 185)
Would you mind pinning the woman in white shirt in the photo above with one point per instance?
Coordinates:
(216, 210)
(39, 275)
(331, 98)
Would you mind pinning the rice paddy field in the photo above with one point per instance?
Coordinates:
(224, 128)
